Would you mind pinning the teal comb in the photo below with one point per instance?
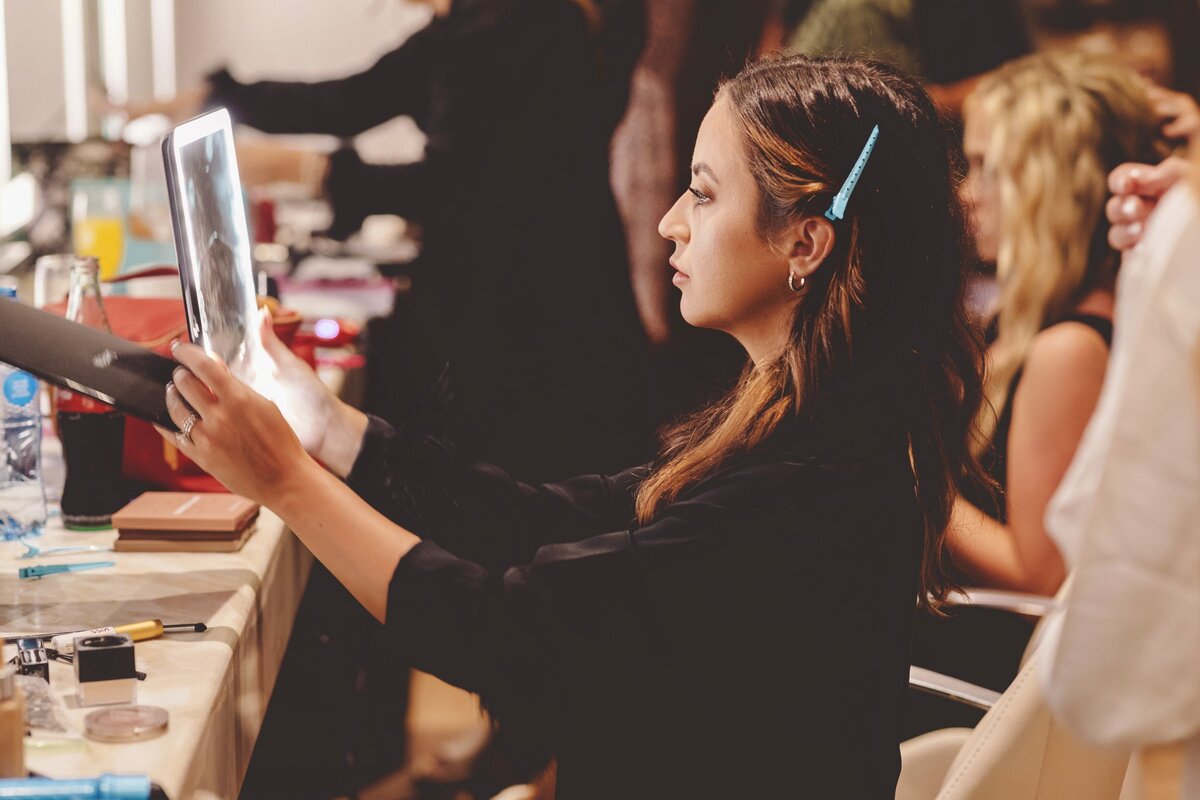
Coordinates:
(38, 572)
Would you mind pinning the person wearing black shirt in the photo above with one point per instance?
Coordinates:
(948, 44)
(731, 620)
(522, 289)
(522, 286)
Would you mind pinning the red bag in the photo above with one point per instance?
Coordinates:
(153, 323)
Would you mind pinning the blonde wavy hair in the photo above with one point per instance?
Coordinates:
(1060, 123)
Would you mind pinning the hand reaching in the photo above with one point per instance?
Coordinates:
(185, 105)
(1179, 111)
(1136, 190)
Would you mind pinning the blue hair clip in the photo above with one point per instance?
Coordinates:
(837, 209)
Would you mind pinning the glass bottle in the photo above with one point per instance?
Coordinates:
(92, 433)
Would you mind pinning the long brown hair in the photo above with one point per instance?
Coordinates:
(881, 352)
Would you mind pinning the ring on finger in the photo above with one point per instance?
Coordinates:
(185, 430)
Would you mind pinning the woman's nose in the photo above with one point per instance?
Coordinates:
(673, 225)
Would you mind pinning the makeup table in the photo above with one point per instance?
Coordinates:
(215, 685)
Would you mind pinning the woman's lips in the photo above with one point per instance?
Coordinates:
(680, 276)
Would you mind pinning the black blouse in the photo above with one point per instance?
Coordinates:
(751, 641)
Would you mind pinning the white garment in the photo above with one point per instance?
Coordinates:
(1124, 665)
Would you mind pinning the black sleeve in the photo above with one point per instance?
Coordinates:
(398, 83)
(598, 608)
(356, 189)
(577, 606)
(477, 510)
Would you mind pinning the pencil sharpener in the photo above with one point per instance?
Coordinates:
(104, 670)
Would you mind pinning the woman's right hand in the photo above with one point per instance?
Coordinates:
(330, 431)
(1136, 190)
(182, 106)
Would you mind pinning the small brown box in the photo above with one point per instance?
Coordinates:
(168, 512)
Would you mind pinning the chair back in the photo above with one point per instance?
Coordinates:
(1018, 752)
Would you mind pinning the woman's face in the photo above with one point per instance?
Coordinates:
(979, 191)
(730, 279)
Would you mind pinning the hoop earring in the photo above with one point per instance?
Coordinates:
(792, 282)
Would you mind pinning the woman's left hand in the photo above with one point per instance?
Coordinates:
(1178, 110)
(239, 437)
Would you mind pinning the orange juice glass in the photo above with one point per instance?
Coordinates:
(97, 228)
(100, 237)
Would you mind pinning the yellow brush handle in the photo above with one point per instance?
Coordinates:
(140, 631)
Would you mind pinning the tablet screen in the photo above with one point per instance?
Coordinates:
(212, 239)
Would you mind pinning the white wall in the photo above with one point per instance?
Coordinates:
(296, 39)
(286, 39)
(35, 69)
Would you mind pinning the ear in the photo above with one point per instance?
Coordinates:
(810, 241)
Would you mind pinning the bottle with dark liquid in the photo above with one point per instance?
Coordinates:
(92, 433)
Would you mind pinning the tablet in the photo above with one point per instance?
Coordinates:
(212, 239)
(86, 360)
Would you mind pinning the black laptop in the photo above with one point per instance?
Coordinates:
(86, 360)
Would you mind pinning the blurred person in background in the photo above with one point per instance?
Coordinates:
(518, 100)
(690, 46)
(522, 287)
(948, 44)
(1155, 37)
(1041, 136)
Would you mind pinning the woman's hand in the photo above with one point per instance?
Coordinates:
(1180, 114)
(243, 441)
(1136, 190)
(329, 430)
(239, 437)
(185, 105)
(261, 163)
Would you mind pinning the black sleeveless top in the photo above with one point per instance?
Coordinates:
(995, 458)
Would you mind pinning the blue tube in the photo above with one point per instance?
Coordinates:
(106, 787)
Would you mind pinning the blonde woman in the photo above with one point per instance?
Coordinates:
(1041, 136)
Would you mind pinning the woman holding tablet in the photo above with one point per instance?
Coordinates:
(745, 602)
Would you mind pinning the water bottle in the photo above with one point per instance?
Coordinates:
(22, 496)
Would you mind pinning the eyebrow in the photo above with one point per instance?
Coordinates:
(700, 166)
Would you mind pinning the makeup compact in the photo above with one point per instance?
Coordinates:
(126, 724)
(104, 669)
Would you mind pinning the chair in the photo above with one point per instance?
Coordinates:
(1028, 605)
(1017, 751)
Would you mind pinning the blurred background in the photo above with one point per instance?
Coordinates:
(88, 87)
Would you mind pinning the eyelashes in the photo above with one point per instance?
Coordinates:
(701, 198)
